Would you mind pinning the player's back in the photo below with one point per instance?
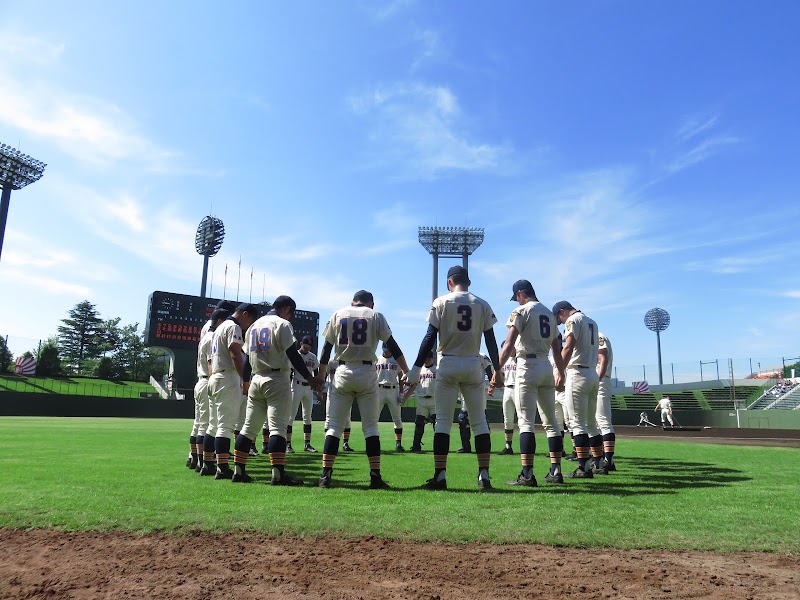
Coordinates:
(461, 318)
(584, 329)
(538, 332)
(355, 332)
(605, 344)
(226, 334)
(266, 343)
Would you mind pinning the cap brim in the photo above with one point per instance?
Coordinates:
(514, 297)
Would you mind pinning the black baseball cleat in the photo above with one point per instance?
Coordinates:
(399, 448)
(309, 448)
(192, 463)
(347, 448)
(464, 450)
(524, 481)
(243, 478)
(611, 466)
(223, 472)
(291, 481)
(264, 449)
(189, 462)
(579, 474)
(289, 449)
(324, 481)
(199, 467)
(573, 456)
(505, 451)
(554, 478)
(601, 470)
(377, 483)
(434, 484)
(253, 451)
(208, 468)
(416, 449)
(484, 485)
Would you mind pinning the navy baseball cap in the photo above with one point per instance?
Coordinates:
(251, 309)
(220, 314)
(364, 297)
(562, 305)
(306, 340)
(227, 305)
(522, 285)
(457, 270)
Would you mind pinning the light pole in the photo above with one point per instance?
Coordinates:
(207, 242)
(16, 171)
(449, 241)
(657, 319)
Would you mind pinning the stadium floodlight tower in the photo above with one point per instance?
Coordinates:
(16, 171)
(657, 319)
(449, 241)
(207, 242)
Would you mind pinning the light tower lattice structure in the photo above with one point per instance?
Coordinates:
(657, 319)
(449, 241)
(207, 242)
(16, 171)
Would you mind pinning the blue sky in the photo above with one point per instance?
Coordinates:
(619, 155)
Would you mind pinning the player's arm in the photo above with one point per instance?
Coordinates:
(602, 362)
(491, 348)
(298, 364)
(569, 348)
(237, 358)
(324, 359)
(508, 345)
(560, 365)
(411, 377)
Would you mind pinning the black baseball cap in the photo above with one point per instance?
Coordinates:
(522, 285)
(227, 305)
(306, 340)
(364, 297)
(562, 305)
(457, 270)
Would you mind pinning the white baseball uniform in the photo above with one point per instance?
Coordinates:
(301, 390)
(461, 319)
(603, 414)
(425, 392)
(582, 382)
(201, 404)
(224, 384)
(535, 386)
(270, 397)
(355, 332)
(509, 377)
(665, 404)
(388, 372)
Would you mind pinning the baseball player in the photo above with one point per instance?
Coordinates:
(579, 355)
(201, 408)
(532, 333)
(389, 393)
(302, 395)
(464, 429)
(509, 412)
(271, 348)
(605, 361)
(562, 410)
(459, 318)
(353, 334)
(225, 382)
(665, 406)
(426, 408)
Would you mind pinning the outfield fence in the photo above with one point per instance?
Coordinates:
(709, 369)
(76, 387)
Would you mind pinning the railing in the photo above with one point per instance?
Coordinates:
(73, 386)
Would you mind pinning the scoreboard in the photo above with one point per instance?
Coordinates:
(174, 321)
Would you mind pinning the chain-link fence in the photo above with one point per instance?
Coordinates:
(76, 386)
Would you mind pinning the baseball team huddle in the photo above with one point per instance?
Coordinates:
(252, 376)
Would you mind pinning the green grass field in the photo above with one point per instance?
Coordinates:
(129, 475)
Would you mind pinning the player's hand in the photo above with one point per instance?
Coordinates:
(491, 389)
(407, 394)
(412, 377)
(496, 381)
(316, 383)
(245, 387)
(559, 381)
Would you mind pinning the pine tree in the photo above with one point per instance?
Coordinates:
(80, 338)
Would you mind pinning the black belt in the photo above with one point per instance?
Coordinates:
(459, 356)
(388, 387)
(530, 356)
(581, 367)
(203, 376)
(426, 396)
(301, 382)
(355, 362)
(264, 372)
(511, 387)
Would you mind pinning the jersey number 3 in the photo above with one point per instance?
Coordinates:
(465, 322)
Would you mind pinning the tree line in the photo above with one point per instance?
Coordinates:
(88, 345)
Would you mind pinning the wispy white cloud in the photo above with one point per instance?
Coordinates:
(700, 152)
(693, 126)
(388, 247)
(41, 284)
(430, 48)
(731, 265)
(29, 49)
(389, 9)
(792, 293)
(422, 129)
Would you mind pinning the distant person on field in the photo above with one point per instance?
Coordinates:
(665, 405)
